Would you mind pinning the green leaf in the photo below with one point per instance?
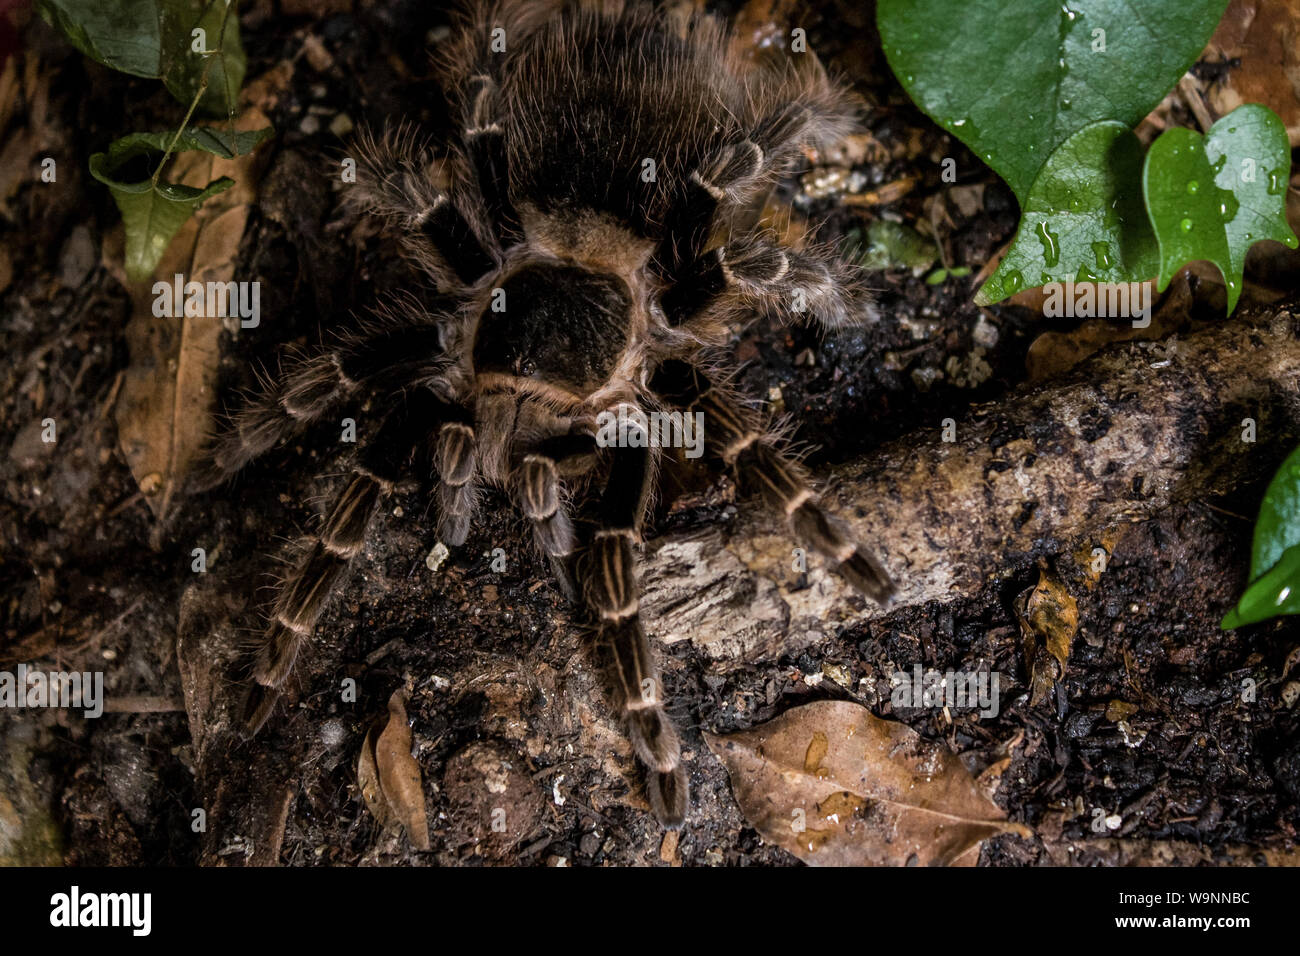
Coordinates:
(1083, 220)
(1278, 526)
(122, 34)
(1213, 198)
(218, 142)
(183, 66)
(1275, 593)
(151, 213)
(1013, 79)
(1275, 552)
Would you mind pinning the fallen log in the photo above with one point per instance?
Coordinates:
(1133, 429)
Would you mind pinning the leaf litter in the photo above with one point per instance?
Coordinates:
(837, 786)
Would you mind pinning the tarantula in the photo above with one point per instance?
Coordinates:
(585, 244)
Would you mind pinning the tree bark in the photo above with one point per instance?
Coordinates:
(1042, 470)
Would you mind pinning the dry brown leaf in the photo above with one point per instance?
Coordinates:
(1049, 619)
(399, 774)
(368, 781)
(837, 786)
(1265, 36)
(164, 410)
(1087, 564)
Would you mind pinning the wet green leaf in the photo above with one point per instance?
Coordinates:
(1278, 525)
(1083, 220)
(1213, 197)
(151, 213)
(183, 66)
(1275, 552)
(1014, 79)
(1273, 594)
(155, 38)
(122, 35)
(218, 142)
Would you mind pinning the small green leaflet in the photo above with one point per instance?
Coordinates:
(1275, 593)
(1083, 219)
(1214, 197)
(1275, 553)
(218, 142)
(1014, 79)
(892, 245)
(152, 213)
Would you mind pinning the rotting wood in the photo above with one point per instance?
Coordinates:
(1123, 435)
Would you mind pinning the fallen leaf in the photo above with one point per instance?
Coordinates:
(399, 773)
(164, 410)
(836, 785)
(1261, 43)
(1049, 619)
(368, 781)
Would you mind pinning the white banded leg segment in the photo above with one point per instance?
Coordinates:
(611, 577)
(537, 489)
(455, 459)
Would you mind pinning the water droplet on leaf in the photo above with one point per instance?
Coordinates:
(1051, 251)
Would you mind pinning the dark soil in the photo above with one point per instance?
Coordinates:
(498, 660)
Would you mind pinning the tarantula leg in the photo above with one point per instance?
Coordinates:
(305, 593)
(310, 390)
(611, 590)
(537, 489)
(456, 461)
(312, 387)
(734, 435)
(448, 231)
(485, 142)
(571, 455)
(752, 273)
(394, 183)
(720, 179)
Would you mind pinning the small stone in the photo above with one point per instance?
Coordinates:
(310, 125)
(839, 674)
(77, 258)
(332, 733)
(437, 556)
(341, 125)
(1291, 693)
(985, 333)
(925, 377)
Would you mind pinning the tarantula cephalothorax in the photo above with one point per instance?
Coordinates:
(583, 238)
